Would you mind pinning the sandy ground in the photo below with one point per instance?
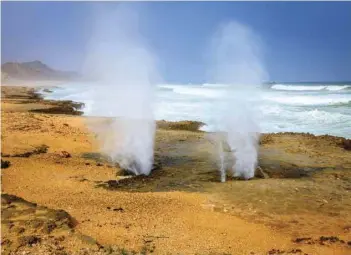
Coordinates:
(182, 208)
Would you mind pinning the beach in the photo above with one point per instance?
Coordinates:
(180, 128)
(61, 196)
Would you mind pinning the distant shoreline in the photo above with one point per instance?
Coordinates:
(186, 124)
(200, 124)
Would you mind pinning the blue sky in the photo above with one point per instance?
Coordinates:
(302, 41)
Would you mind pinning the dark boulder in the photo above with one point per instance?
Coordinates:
(346, 144)
(5, 164)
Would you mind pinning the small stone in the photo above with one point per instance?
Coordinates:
(88, 239)
(19, 230)
(5, 242)
(65, 154)
(302, 239)
(5, 164)
(29, 240)
(112, 183)
(119, 209)
(49, 227)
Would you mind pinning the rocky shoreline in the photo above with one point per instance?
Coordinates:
(301, 206)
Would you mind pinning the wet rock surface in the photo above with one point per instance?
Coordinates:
(180, 125)
(283, 252)
(41, 149)
(65, 154)
(322, 240)
(25, 95)
(5, 164)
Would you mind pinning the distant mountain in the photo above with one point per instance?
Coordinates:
(34, 70)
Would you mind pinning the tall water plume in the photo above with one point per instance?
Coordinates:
(236, 61)
(124, 70)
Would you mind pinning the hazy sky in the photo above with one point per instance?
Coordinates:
(302, 41)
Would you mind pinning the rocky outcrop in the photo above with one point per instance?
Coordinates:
(346, 144)
(180, 125)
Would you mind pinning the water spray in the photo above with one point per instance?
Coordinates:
(124, 69)
(222, 169)
(236, 61)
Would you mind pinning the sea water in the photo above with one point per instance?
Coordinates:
(317, 108)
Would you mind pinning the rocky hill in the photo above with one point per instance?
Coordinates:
(34, 70)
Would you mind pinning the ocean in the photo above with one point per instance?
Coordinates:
(317, 108)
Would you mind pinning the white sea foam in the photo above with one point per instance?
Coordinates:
(308, 99)
(194, 90)
(216, 85)
(324, 112)
(322, 117)
(310, 88)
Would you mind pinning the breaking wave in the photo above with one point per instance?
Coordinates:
(193, 90)
(310, 109)
(309, 100)
(310, 88)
